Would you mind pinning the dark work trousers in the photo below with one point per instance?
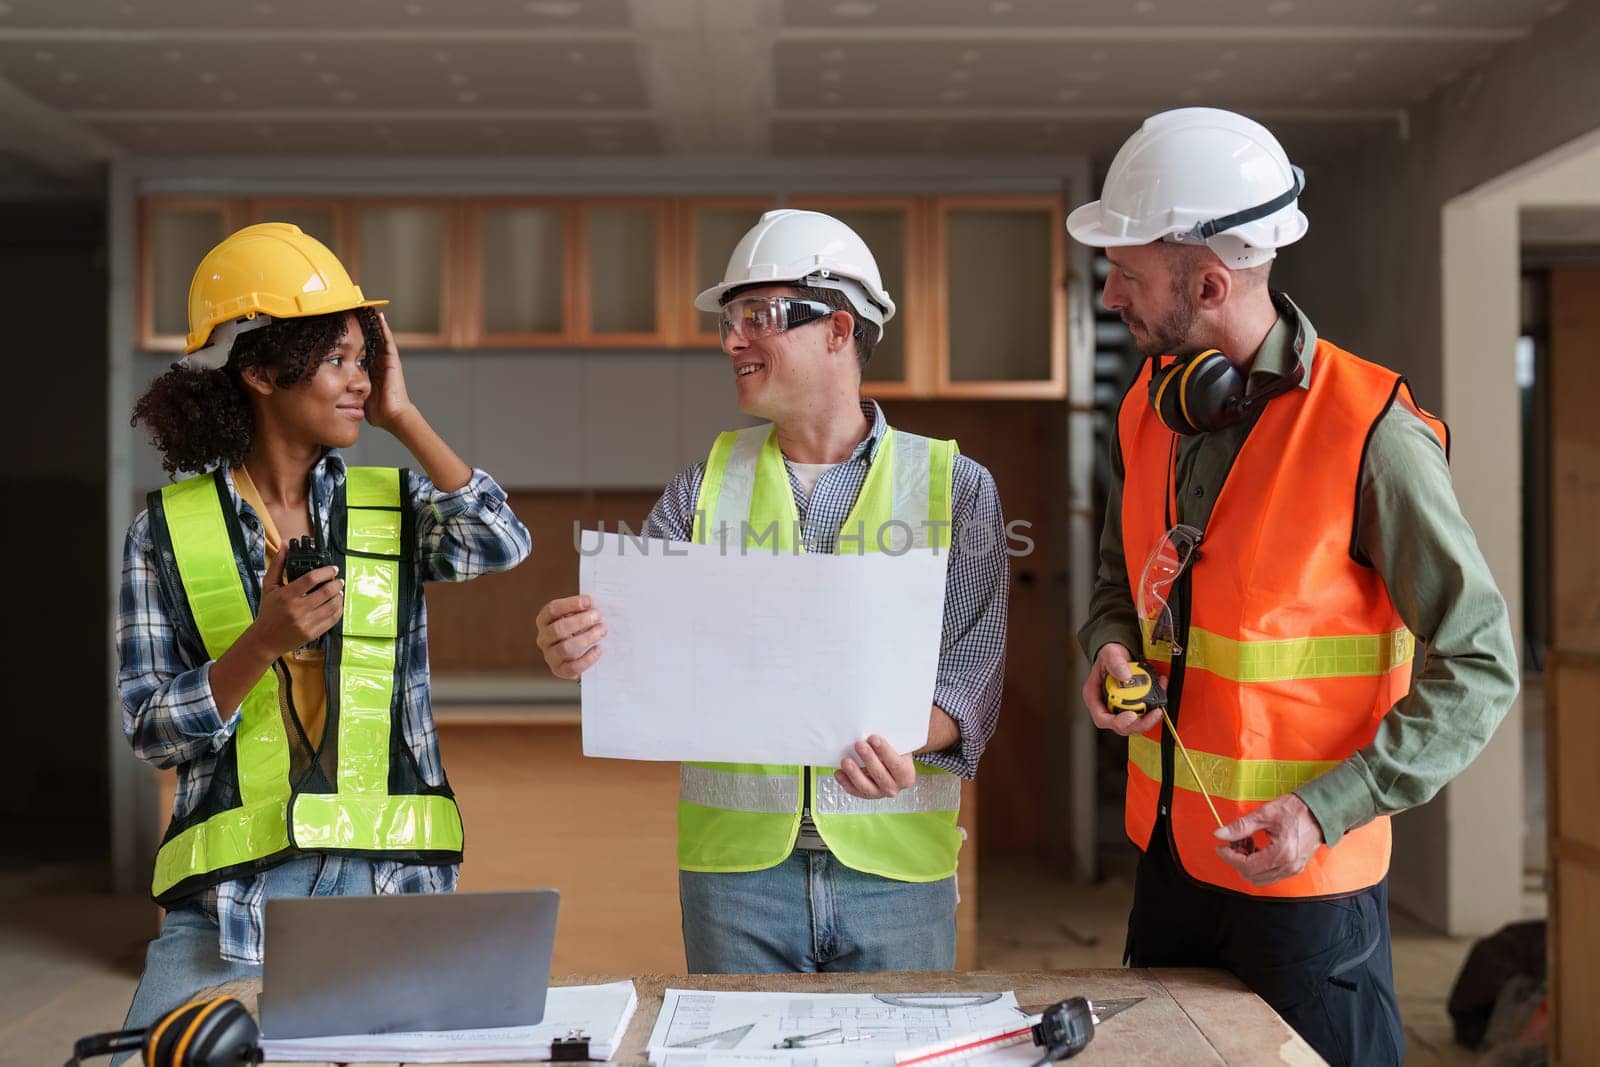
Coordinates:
(1323, 965)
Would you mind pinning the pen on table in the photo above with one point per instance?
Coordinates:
(805, 1040)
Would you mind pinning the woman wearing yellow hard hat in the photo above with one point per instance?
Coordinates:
(271, 630)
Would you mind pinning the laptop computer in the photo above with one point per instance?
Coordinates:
(388, 964)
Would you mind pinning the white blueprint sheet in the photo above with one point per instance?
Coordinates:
(734, 1029)
(758, 658)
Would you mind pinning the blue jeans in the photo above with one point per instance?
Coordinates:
(185, 958)
(812, 913)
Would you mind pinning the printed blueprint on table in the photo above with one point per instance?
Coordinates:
(731, 1029)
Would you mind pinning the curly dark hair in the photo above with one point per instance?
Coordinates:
(200, 418)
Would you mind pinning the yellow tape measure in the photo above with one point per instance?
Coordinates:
(1140, 693)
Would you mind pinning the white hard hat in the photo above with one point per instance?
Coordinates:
(806, 248)
(1198, 175)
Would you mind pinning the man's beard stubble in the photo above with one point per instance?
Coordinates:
(1171, 335)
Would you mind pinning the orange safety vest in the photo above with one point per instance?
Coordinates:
(1292, 649)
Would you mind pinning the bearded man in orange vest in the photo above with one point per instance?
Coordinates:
(1280, 523)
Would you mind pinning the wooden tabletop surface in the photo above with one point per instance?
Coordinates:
(1188, 1016)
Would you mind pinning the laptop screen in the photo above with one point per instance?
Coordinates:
(383, 964)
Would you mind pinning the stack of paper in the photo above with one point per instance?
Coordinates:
(599, 1013)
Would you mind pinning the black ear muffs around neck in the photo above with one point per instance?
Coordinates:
(1205, 392)
(1198, 393)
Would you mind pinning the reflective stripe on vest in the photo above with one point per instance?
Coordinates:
(929, 793)
(1293, 649)
(1228, 779)
(271, 817)
(1356, 656)
(745, 817)
(779, 794)
(711, 786)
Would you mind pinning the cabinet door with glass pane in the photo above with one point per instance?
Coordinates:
(175, 233)
(521, 273)
(708, 230)
(902, 361)
(625, 271)
(403, 255)
(1002, 297)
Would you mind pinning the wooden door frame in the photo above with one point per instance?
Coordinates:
(1571, 291)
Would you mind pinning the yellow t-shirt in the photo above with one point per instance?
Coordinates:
(308, 685)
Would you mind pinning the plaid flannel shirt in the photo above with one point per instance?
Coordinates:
(972, 649)
(164, 677)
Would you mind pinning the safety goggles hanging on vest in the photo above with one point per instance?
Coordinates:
(755, 317)
(1165, 565)
(1172, 555)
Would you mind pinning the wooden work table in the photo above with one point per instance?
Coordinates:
(1188, 1016)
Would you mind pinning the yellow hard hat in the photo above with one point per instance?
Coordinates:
(270, 268)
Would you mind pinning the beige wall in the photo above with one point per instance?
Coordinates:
(1481, 322)
(1368, 271)
(1405, 267)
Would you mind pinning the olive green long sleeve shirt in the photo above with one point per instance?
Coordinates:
(1410, 528)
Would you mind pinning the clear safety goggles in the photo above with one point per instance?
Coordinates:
(1172, 555)
(754, 317)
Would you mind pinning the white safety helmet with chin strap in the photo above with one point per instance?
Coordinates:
(1198, 175)
(806, 248)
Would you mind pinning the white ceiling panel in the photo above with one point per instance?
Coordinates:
(336, 136)
(987, 137)
(290, 15)
(81, 80)
(846, 16)
(1043, 74)
(1306, 140)
(77, 76)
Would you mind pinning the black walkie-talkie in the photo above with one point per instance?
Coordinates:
(304, 556)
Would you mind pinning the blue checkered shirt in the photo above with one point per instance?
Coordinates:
(972, 650)
(164, 679)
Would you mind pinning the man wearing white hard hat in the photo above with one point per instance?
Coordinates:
(815, 868)
(1280, 529)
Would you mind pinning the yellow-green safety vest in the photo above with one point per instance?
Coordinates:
(746, 816)
(271, 795)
